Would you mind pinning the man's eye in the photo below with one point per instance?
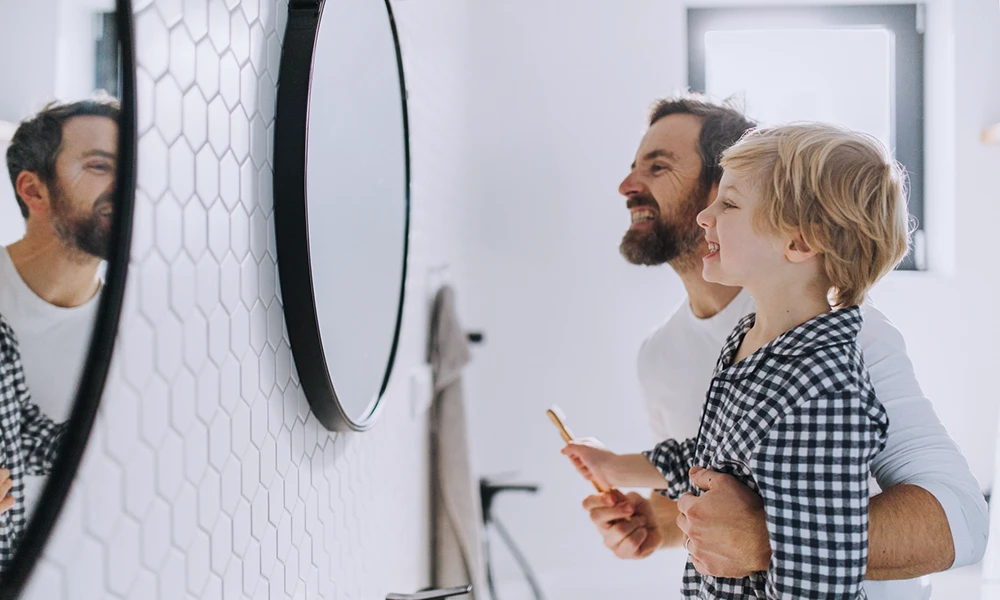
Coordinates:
(656, 168)
(101, 167)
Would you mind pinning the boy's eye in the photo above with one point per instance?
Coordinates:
(727, 205)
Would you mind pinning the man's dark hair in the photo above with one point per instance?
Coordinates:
(722, 125)
(38, 139)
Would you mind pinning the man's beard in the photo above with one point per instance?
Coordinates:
(671, 241)
(89, 233)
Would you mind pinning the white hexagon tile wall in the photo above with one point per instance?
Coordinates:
(206, 475)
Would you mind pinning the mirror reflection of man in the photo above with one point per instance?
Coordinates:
(62, 164)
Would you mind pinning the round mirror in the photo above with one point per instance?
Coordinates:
(341, 215)
(68, 138)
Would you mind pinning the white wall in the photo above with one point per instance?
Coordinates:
(559, 93)
(206, 475)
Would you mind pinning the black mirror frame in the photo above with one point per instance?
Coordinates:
(291, 139)
(102, 341)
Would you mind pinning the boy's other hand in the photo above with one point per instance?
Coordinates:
(626, 523)
(6, 500)
(592, 460)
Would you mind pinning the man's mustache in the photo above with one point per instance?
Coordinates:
(104, 203)
(637, 201)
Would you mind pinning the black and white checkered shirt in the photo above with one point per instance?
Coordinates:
(29, 440)
(798, 422)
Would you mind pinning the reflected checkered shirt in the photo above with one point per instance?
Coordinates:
(798, 422)
(30, 440)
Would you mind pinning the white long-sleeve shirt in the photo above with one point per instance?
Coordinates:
(675, 367)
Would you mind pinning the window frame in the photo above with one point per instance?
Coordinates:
(905, 21)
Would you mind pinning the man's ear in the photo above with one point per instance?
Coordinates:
(797, 250)
(33, 192)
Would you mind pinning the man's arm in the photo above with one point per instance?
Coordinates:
(665, 515)
(909, 534)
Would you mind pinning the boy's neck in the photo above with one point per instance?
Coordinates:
(780, 309)
(706, 299)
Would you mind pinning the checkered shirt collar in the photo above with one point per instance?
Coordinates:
(828, 329)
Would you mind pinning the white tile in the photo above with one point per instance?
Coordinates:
(207, 69)
(170, 11)
(152, 172)
(181, 172)
(184, 516)
(197, 564)
(218, 440)
(239, 36)
(196, 18)
(229, 182)
(154, 51)
(123, 557)
(218, 126)
(154, 412)
(169, 108)
(248, 88)
(239, 133)
(85, 574)
(240, 430)
(222, 543)
(241, 527)
(218, 25)
(182, 57)
(182, 285)
(170, 344)
(195, 122)
(249, 286)
(156, 535)
(229, 80)
(170, 466)
(209, 499)
(172, 577)
(206, 170)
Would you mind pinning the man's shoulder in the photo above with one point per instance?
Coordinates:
(879, 338)
(666, 331)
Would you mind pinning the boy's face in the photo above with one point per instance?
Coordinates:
(739, 254)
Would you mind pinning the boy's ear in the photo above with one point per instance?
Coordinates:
(797, 250)
(33, 192)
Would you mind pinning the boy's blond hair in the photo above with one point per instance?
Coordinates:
(840, 188)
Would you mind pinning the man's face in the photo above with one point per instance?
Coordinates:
(83, 191)
(664, 196)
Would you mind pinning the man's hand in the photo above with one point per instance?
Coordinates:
(6, 483)
(626, 523)
(726, 525)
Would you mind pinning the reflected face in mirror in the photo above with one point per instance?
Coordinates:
(82, 192)
(73, 202)
(664, 194)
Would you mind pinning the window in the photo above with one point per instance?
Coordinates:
(858, 66)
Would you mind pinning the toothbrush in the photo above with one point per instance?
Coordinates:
(558, 417)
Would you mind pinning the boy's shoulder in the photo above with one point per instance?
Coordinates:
(820, 357)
